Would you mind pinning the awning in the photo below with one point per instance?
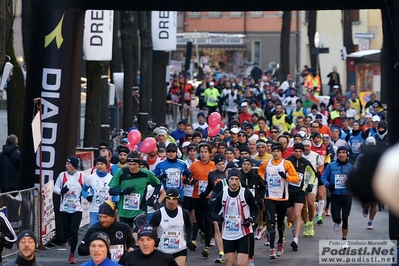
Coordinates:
(367, 56)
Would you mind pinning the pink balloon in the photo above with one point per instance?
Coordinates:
(134, 136)
(214, 119)
(148, 145)
(213, 131)
(136, 148)
(130, 146)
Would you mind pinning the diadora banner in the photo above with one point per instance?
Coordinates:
(54, 63)
(163, 29)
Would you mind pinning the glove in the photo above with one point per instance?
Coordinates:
(191, 246)
(220, 219)
(64, 189)
(202, 195)
(318, 174)
(2, 237)
(331, 187)
(156, 205)
(151, 201)
(248, 221)
(188, 179)
(309, 188)
(127, 191)
(89, 198)
(282, 174)
(163, 177)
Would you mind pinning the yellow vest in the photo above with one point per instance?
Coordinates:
(296, 113)
(280, 123)
(355, 105)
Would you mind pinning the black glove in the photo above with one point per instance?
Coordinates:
(202, 195)
(64, 189)
(318, 174)
(89, 198)
(282, 174)
(219, 219)
(331, 187)
(248, 221)
(191, 246)
(156, 205)
(151, 201)
(309, 188)
(188, 179)
(163, 177)
(127, 191)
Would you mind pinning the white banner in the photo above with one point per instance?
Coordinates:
(164, 28)
(97, 38)
(48, 214)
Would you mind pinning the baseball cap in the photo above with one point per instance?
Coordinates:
(370, 141)
(211, 83)
(325, 136)
(368, 115)
(319, 116)
(376, 118)
(234, 130)
(185, 144)
(244, 104)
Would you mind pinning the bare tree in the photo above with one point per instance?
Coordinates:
(285, 45)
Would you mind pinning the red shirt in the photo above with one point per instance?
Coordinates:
(242, 117)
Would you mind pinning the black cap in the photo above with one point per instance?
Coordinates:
(172, 192)
(299, 146)
(107, 208)
(277, 146)
(231, 165)
(147, 230)
(233, 172)
(230, 149)
(27, 233)
(182, 122)
(218, 158)
(245, 148)
(101, 159)
(316, 134)
(123, 149)
(196, 134)
(246, 159)
(171, 147)
(319, 116)
(192, 146)
(145, 163)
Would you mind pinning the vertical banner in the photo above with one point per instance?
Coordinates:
(163, 29)
(48, 214)
(54, 61)
(97, 38)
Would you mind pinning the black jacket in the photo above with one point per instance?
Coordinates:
(9, 168)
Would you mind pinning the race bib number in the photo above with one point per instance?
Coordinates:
(70, 205)
(131, 202)
(187, 96)
(232, 223)
(356, 147)
(116, 252)
(171, 240)
(298, 184)
(173, 180)
(101, 196)
(202, 186)
(340, 181)
(274, 180)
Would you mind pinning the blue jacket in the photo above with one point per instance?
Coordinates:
(106, 262)
(337, 173)
(175, 172)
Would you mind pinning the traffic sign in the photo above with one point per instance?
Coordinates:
(366, 35)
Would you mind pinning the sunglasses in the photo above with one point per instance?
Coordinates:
(274, 132)
(171, 151)
(241, 135)
(171, 197)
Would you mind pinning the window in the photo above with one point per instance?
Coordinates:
(355, 17)
(256, 14)
(214, 14)
(194, 14)
(257, 51)
(235, 14)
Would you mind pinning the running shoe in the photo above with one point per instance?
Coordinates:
(306, 229)
(195, 243)
(251, 262)
(344, 244)
(294, 246)
(202, 237)
(320, 220)
(205, 252)
(310, 229)
(267, 238)
(288, 224)
(272, 253)
(365, 213)
(259, 233)
(71, 259)
(220, 259)
(280, 249)
(327, 212)
(369, 226)
(212, 243)
(336, 228)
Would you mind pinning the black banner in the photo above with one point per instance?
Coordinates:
(54, 63)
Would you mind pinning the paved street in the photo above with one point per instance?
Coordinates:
(306, 255)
